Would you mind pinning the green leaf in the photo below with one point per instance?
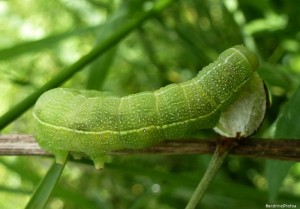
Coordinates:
(287, 127)
(276, 172)
(274, 75)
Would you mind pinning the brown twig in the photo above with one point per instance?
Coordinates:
(258, 148)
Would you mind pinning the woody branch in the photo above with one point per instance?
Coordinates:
(259, 148)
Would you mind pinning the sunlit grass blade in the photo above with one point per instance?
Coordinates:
(44, 190)
(100, 67)
(44, 43)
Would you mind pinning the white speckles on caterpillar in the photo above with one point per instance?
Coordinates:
(93, 123)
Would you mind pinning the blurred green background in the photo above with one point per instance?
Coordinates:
(40, 38)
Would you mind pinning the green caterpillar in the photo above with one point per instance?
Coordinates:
(93, 123)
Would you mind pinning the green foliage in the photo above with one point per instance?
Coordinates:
(44, 190)
(41, 40)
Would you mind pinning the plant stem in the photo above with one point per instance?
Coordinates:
(213, 167)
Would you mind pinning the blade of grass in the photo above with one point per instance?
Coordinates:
(44, 190)
(105, 45)
(22, 167)
(96, 76)
(32, 46)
